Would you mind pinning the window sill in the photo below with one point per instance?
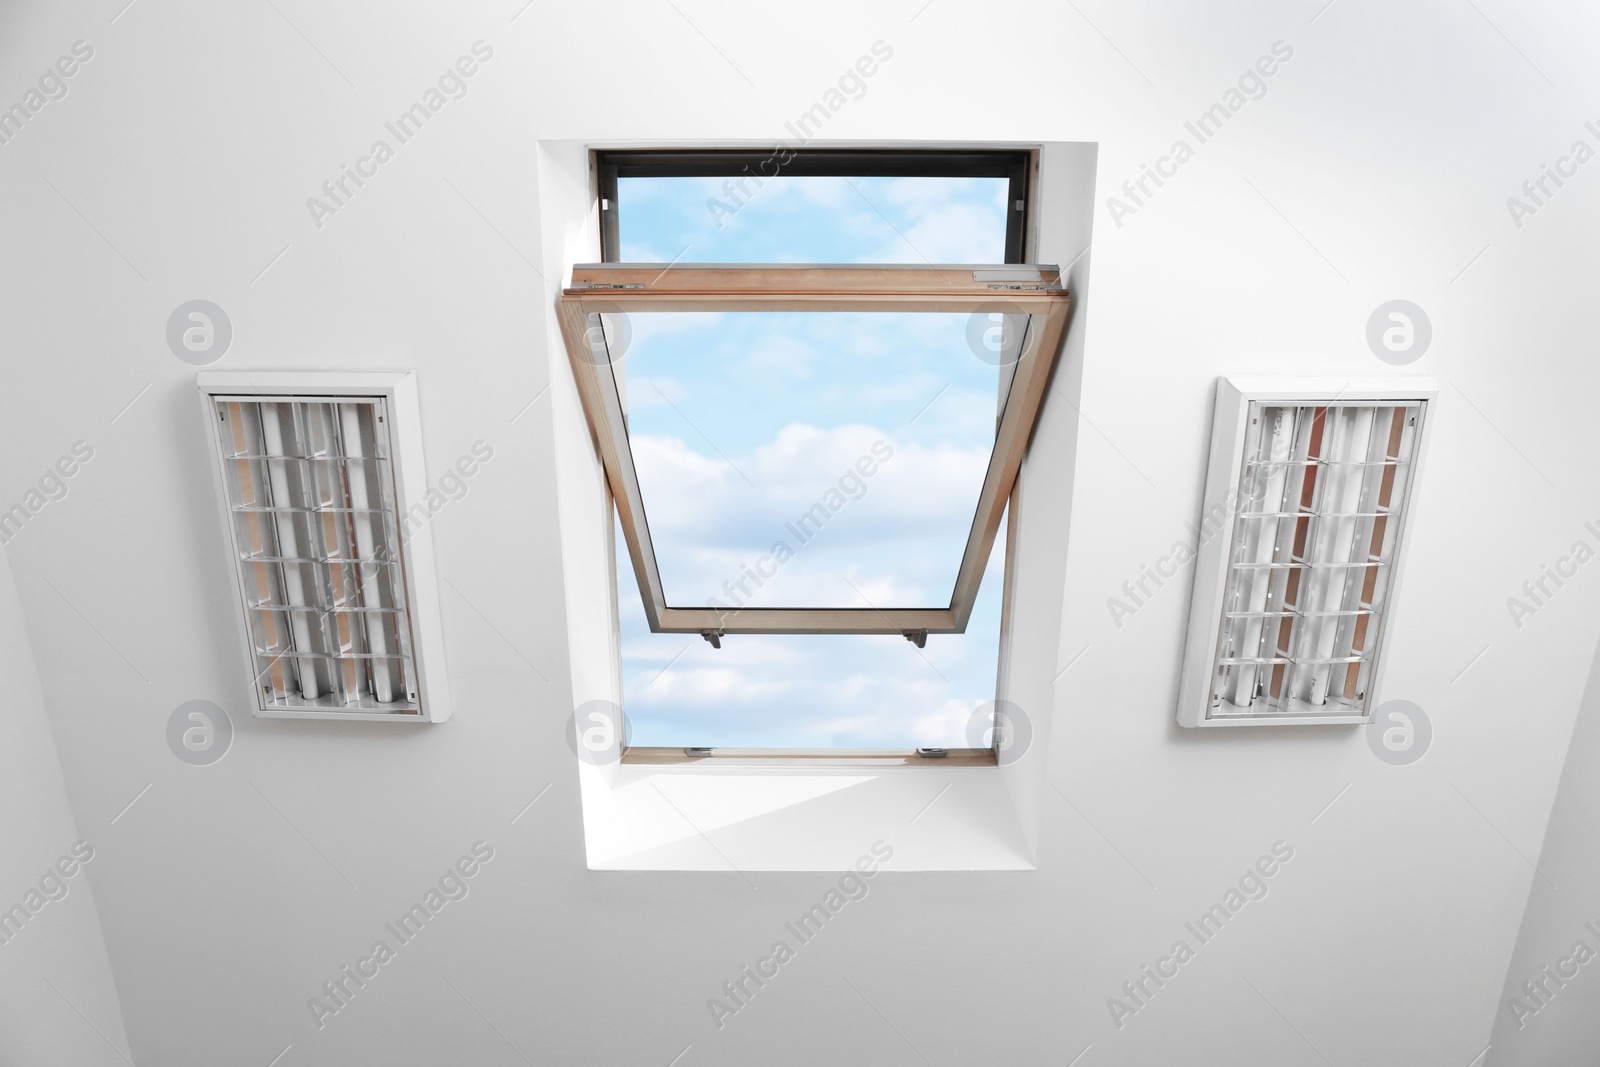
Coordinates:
(741, 815)
(811, 757)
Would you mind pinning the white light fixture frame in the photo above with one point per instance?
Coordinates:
(1235, 397)
(398, 392)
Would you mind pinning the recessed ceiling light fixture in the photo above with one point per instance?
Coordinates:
(339, 603)
(1308, 497)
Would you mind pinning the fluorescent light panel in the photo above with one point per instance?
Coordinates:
(1313, 521)
(312, 492)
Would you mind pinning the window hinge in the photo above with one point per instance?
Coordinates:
(714, 637)
(917, 637)
(608, 285)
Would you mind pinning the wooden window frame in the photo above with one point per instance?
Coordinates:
(599, 289)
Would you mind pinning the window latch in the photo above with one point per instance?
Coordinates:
(917, 637)
(713, 637)
(608, 285)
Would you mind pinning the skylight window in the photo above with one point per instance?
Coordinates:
(812, 440)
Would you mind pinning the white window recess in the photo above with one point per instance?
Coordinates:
(1309, 493)
(337, 594)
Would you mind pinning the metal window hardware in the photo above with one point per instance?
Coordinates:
(713, 637)
(917, 637)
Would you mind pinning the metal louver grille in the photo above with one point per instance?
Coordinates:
(1315, 539)
(311, 499)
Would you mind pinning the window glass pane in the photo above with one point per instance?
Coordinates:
(817, 459)
(808, 691)
(788, 219)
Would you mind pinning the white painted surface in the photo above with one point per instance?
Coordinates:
(1377, 166)
(58, 1003)
(1558, 949)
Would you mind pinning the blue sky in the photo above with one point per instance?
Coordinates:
(814, 220)
(741, 422)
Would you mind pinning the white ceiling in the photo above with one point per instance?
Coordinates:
(1376, 166)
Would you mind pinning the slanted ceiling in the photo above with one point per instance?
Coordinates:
(1376, 163)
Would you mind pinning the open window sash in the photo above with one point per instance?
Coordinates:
(1030, 297)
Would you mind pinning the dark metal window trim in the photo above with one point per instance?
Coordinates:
(1014, 164)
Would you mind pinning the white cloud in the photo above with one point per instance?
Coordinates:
(949, 722)
(896, 534)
